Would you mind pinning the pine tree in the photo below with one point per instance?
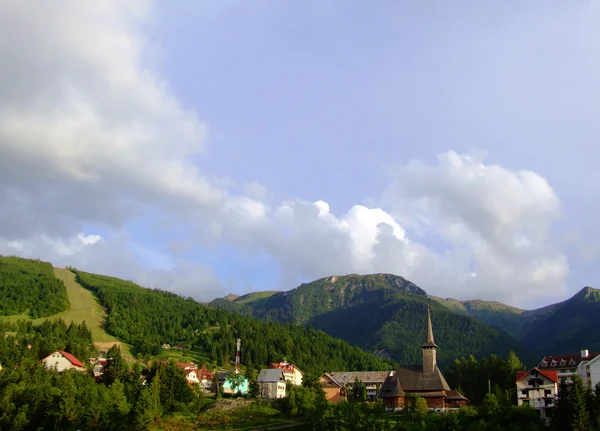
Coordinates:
(580, 418)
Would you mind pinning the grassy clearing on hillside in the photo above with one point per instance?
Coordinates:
(83, 307)
(253, 296)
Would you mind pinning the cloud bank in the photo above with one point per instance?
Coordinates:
(92, 138)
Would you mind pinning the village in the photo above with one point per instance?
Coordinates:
(537, 387)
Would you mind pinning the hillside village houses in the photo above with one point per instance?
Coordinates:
(539, 389)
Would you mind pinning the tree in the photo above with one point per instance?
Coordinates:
(363, 394)
(421, 406)
(356, 390)
(490, 404)
(115, 367)
(579, 401)
(236, 381)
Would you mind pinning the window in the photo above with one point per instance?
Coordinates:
(563, 362)
(547, 393)
(524, 392)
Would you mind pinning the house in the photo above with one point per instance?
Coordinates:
(593, 371)
(568, 365)
(271, 383)
(62, 361)
(424, 380)
(373, 380)
(166, 347)
(539, 389)
(192, 377)
(205, 379)
(292, 373)
(225, 383)
(335, 391)
(98, 367)
(186, 365)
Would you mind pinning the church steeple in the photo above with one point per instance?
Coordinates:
(429, 348)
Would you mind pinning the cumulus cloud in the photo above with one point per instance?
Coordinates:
(90, 135)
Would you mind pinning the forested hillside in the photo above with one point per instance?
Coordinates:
(147, 318)
(382, 313)
(568, 322)
(29, 286)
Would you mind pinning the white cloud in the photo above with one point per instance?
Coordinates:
(90, 135)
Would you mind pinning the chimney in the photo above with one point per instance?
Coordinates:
(584, 353)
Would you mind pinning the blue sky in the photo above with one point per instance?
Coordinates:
(453, 142)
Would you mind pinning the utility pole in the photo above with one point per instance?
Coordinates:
(237, 356)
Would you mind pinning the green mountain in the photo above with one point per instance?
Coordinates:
(384, 314)
(147, 318)
(558, 329)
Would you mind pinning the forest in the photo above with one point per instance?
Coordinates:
(29, 286)
(147, 318)
(32, 397)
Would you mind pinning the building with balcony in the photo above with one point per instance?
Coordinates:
(539, 389)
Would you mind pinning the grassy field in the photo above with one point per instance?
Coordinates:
(83, 307)
(253, 296)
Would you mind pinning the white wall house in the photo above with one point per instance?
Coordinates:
(593, 371)
(192, 377)
(62, 361)
(539, 389)
(568, 366)
(291, 373)
(271, 383)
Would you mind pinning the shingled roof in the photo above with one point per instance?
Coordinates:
(391, 388)
(412, 378)
(347, 378)
(270, 375)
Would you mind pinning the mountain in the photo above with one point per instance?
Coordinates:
(557, 329)
(382, 313)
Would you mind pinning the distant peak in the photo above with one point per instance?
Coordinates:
(390, 280)
(230, 297)
(589, 294)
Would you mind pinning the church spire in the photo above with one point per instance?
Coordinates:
(429, 349)
(429, 335)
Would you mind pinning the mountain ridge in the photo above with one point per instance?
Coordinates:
(330, 302)
(381, 313)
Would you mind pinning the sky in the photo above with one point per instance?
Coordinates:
(213, 147)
